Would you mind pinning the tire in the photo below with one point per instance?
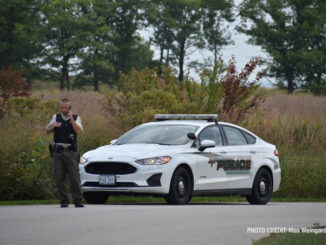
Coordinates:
(180, 187)
(96, 197)
(262, 188)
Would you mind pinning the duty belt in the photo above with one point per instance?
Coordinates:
(59, 148)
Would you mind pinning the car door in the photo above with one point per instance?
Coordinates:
(238, 157)
(210, 177)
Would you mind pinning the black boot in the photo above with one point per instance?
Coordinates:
(79, 204)
(64, 204)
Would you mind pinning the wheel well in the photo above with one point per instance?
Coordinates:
(269, 170)
(183, 165)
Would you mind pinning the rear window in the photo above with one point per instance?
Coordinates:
(234, 136)
(250, 138)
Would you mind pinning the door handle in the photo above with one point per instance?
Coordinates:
(252, 152)
(222, 152)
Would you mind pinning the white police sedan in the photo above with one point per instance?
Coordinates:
(179, 156)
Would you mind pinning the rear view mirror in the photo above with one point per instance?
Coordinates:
(191, 136)
(113, 141)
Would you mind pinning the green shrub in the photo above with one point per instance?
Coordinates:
(143, 93)
(25, 165)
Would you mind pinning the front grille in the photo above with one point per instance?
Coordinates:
(119, 168)
(118, 184)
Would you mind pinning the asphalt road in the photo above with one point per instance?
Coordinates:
(220, 223)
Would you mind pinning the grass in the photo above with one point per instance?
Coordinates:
(28, 202)
(159, 200)
(303, 106)
(293, 239)
(302, 176)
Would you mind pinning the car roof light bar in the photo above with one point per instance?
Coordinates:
(208, 117)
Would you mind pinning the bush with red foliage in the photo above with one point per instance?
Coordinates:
(12, 84)
(239, 97)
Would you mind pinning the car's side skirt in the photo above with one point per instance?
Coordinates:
(242, 191)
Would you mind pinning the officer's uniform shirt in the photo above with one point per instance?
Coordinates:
(66, 118)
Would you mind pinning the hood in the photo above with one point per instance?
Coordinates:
(136, 151)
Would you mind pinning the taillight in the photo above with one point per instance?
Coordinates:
(276, 152)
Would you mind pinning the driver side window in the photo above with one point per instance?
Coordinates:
(211, 133)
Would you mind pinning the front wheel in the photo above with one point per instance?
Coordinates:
(96, 197)
(180, 188)
(262, 188)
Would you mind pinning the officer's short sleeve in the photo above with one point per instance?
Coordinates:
(52, 121)
(78, 121)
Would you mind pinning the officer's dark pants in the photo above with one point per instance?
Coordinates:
(65, 162)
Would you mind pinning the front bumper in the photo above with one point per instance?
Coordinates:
(146, 180)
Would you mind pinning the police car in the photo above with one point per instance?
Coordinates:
(180, 156)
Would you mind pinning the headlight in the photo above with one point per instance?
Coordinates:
(154, 160)
(82, 160)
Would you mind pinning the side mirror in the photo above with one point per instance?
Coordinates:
(191, 136)
(113, 141)
(206, 144)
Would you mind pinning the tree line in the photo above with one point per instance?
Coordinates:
(96, 40)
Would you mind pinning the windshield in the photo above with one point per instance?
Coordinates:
(158, 134)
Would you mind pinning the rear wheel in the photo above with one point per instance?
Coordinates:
(180, 188)
(96, 197)
(262, 188)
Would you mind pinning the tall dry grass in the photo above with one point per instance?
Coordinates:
(84, 103)
(292, 122)
(300, 107)
(87, 105)
(296, 124)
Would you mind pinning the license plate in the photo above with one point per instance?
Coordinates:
(107, 180)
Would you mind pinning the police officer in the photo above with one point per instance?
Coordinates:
(65, 127)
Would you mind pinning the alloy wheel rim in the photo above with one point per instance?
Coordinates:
(263, 186)
(181, 187)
